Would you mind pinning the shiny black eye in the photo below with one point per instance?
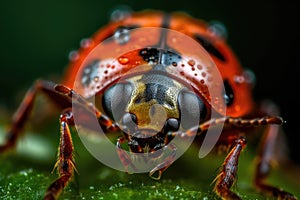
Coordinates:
(115, 100)
(192, 109)
(129, 120)
(171, 125)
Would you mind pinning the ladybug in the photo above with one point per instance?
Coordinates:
(157, 77)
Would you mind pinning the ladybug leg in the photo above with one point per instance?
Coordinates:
(22, 114)
(65, 163)
(238, 122)
(264, 162)
(124, 157)
(160, 168)
(228, 174)
(61, 96)
(85, 106)
(265, 156)
(265, 159)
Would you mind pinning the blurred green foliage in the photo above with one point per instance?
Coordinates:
(26, 173)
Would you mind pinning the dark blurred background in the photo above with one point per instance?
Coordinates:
(36, 37)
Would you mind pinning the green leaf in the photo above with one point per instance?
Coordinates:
(26, 173)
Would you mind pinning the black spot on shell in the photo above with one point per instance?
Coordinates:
(209, 47)
(228, 96)
(160, 56)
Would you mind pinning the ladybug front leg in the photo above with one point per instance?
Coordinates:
(124, 157)
(65, 163)
(61, 96)
(236, 122)
(228, 174)
(160, 168)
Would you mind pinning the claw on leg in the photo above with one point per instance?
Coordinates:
(124, 157)
(160, 168)
(228, 173)
(65, 164)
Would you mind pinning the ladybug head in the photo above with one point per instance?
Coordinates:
(153, 103)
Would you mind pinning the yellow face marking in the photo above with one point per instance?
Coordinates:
(150, 113)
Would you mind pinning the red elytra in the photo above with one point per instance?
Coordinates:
(229, 68)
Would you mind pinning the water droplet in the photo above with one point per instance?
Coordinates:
(121, 35)
(216, 100)
(120, 13)
(23, 173)
(115, 195)
(96, 78)
(111, 187)
(73, 55)
(191, 63)
(239, 79)
(85, 42)
(87, 70)
(249, 76)
(123, 60)
(218, 29)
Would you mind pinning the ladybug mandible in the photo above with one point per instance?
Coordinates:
(151, 69)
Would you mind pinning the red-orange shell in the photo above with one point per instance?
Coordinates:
(113, 67)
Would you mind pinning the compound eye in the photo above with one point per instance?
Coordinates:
(129, 121)
(171, 125)
(192, 109)
(115, 100)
